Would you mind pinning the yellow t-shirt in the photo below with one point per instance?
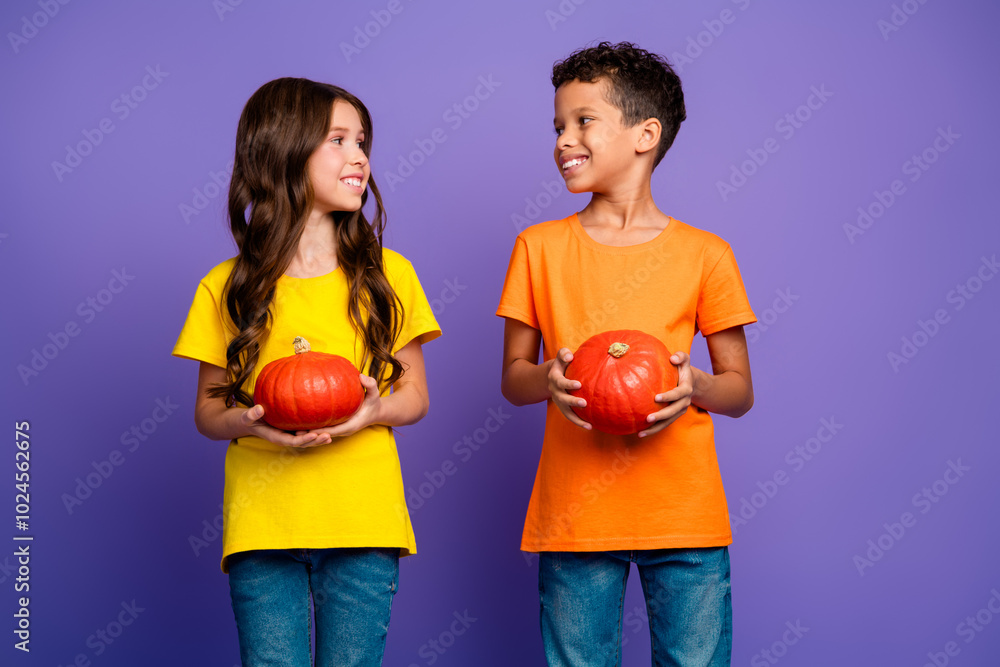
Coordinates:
(345, 494)
(600, 492)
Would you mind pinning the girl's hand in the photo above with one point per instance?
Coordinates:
(559, 387)
(366, 415)
(252, 420)
(679, 398)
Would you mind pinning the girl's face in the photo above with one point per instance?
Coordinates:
(338, 168)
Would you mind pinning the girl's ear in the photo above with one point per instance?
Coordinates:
(649, 135)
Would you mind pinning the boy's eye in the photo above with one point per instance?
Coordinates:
(557, 130)
(585, 120)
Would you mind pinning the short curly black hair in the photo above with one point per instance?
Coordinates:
(641, 85)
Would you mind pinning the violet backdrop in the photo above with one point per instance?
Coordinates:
(847, 151)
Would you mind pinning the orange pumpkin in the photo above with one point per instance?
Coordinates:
(621, 372)
(308, 390)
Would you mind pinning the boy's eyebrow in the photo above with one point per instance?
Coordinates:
(579, 110)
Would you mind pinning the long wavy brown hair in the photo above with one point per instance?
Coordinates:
(270, 197)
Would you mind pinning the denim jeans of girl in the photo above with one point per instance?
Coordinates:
(351, 592)
(687, 599)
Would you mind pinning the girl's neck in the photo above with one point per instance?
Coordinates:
(317, 251)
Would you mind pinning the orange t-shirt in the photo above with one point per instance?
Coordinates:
(600, 492)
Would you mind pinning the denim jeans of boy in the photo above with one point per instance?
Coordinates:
(351, 592)
(687, 595)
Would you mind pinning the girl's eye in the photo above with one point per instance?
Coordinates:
(337, 140)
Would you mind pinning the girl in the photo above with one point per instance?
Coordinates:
(317, 515)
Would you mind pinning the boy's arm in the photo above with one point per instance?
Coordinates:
(727, 390)
(525, 381)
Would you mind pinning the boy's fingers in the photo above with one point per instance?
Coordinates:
(656, 428)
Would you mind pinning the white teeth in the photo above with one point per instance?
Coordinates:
(573, 162)
(356, 182)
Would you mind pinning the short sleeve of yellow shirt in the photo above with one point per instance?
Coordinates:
(345, 494)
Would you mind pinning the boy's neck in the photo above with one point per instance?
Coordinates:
(623, 210)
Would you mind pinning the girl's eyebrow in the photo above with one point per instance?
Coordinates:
(344, 129)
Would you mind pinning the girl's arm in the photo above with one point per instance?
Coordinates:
(407, 404)
(727, 390)
(525, 381)
(216, 421)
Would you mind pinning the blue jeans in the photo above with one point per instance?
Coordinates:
(687, 599)
(351, 591)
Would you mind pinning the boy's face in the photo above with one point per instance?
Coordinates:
(593, 151)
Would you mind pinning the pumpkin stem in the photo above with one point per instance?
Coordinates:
(300, 344)
(617, 350)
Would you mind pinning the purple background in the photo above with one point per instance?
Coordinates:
(822, 352)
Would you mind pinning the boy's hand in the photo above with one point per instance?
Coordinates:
(560, 386)
(679, 398)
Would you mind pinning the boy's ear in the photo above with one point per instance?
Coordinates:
(649, 135)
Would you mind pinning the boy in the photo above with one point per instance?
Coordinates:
(601, 502)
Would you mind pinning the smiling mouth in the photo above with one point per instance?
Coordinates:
(569, 164)
(356, 182)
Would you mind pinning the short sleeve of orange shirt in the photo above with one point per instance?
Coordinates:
(600, 492)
